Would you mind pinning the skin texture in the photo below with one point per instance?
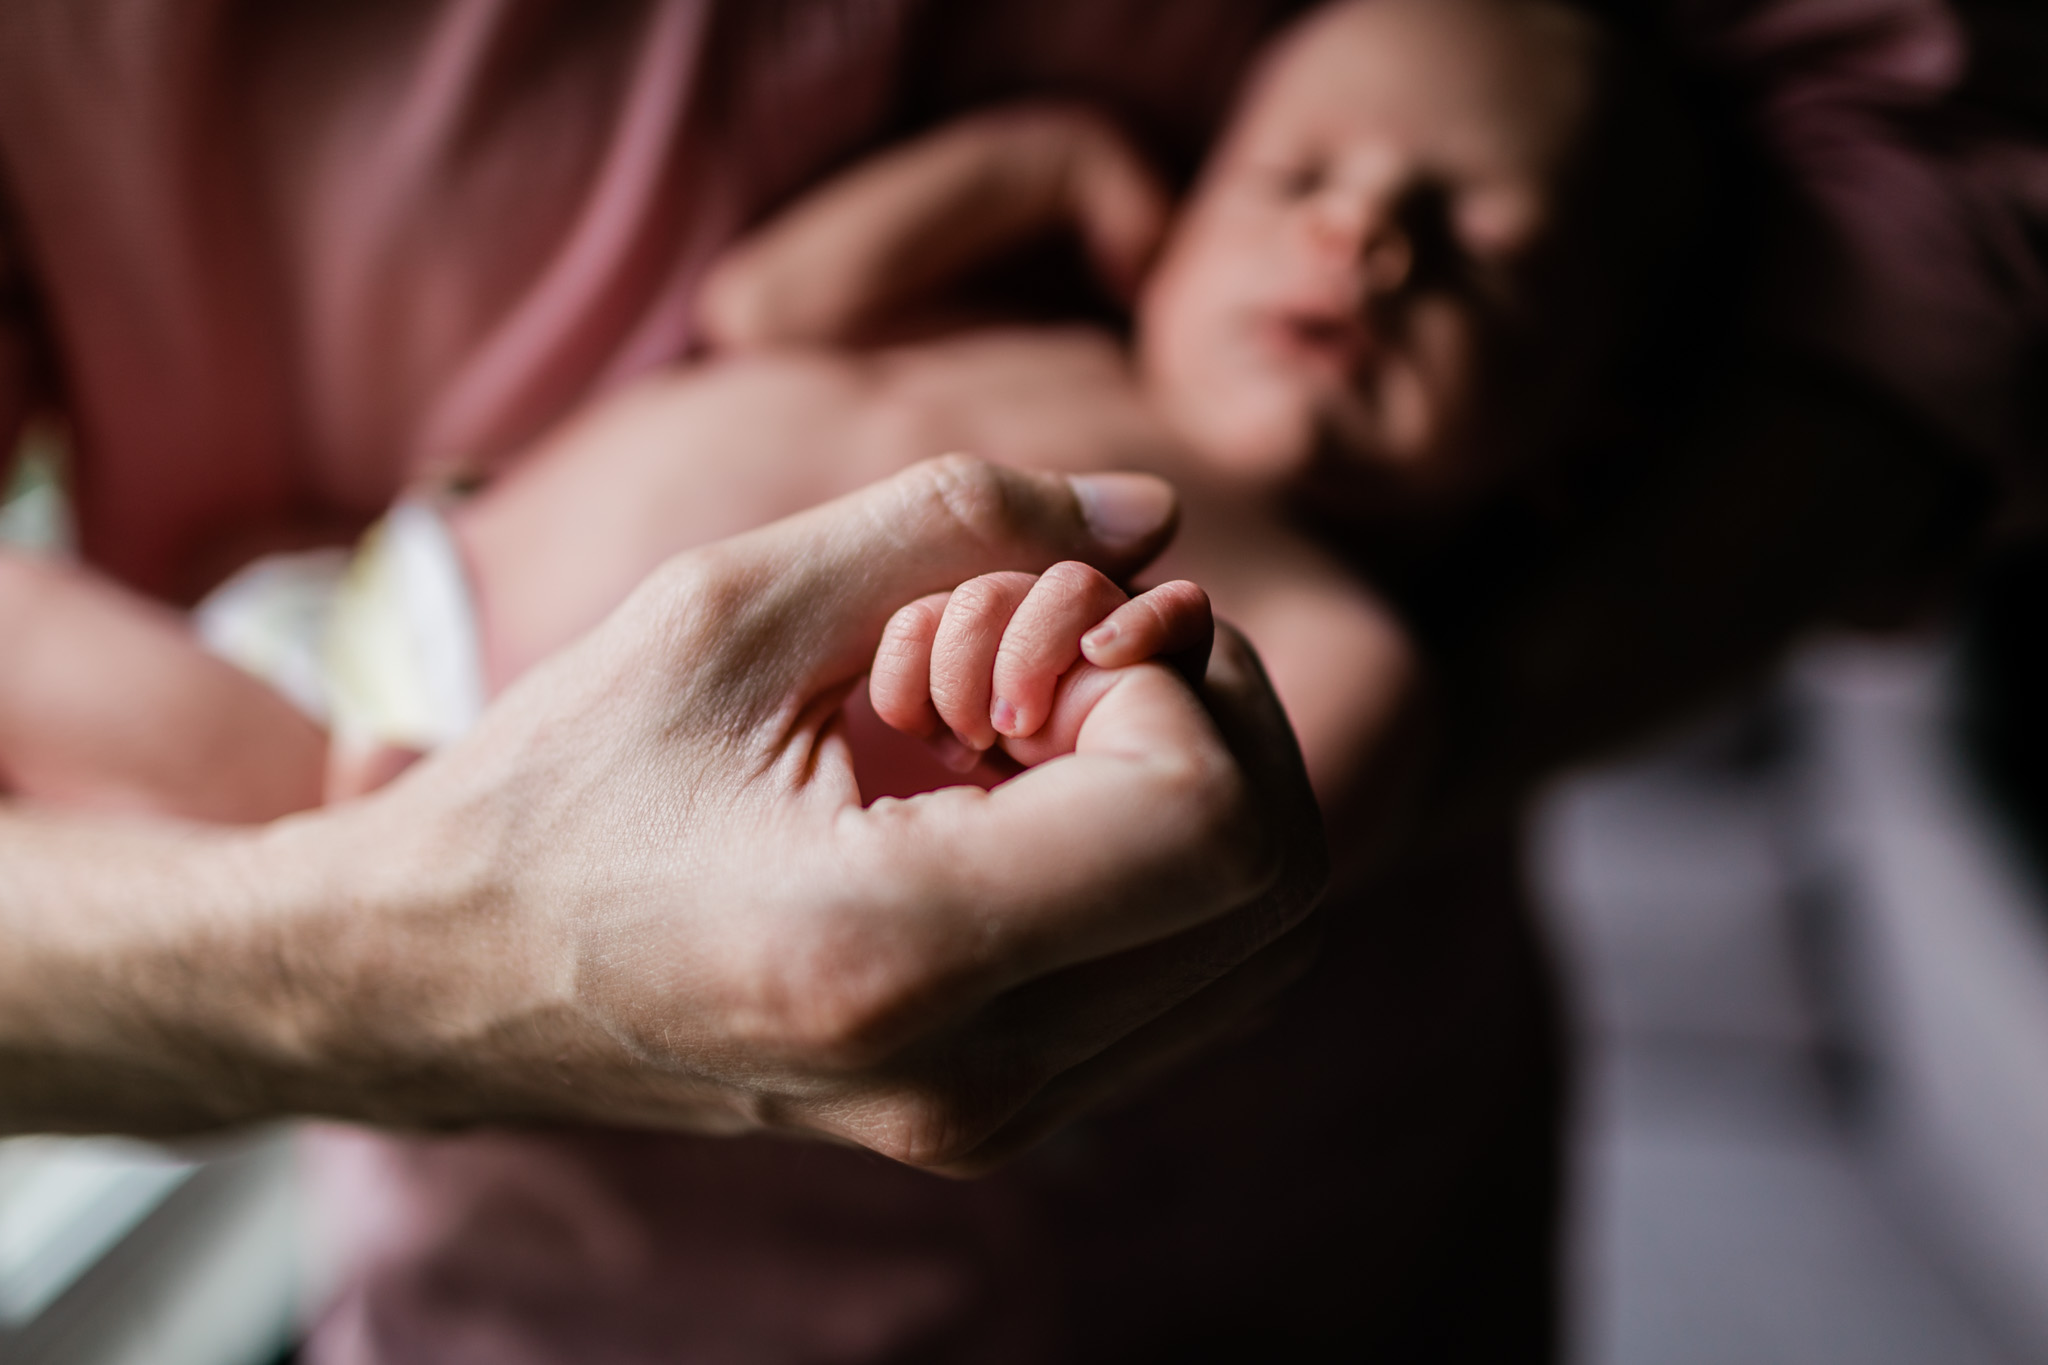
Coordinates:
(1021, 660)
(671, 908)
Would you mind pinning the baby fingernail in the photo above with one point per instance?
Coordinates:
(1102, 637)
(1123, 509)
(1003, 716)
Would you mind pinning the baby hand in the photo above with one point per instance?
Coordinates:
(1021, 659)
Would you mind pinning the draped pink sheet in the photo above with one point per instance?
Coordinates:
(282, 258)
(296, 254)
(292, 255)
(1929, 285)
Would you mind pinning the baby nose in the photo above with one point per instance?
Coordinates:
(1364, 226)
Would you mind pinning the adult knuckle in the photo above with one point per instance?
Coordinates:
(706, 612)
(671, 615)
(966, 494)
(674, 587)
(693, 594)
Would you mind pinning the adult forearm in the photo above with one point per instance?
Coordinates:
(162, 978)
(129, 991)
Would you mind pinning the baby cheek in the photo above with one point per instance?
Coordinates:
(1236, 410)
(1237, 415)
(1262, 427)
(1205, 274)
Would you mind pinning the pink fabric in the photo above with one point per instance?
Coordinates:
(293, 256)
(1924, 280)
(1300, 1181)
(296, 255)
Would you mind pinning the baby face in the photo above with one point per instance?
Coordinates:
(1344, 291)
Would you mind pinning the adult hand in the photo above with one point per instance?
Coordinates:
(645, 891)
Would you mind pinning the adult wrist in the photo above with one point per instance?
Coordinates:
(121, 1000)
(165, 978)
(398, 964)
(435, 975)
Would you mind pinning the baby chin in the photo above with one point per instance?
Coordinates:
(1275, 430)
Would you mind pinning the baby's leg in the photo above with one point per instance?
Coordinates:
(108, 703)
(1020, 660)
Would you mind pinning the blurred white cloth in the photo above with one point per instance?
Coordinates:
(379, 646)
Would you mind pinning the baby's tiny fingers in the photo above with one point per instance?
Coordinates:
(964, 652)
(1043, 641)
(900, 685)
(1173, 621)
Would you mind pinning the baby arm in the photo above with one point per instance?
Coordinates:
(897, 227)
(108, 703)
(1022, 660)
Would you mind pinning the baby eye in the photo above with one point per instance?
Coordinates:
(1288, 181)
(1301, 180)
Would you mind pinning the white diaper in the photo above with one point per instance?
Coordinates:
(380, 646)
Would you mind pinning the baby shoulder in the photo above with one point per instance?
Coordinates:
(1344, 666)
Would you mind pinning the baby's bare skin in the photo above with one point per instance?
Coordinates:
(736, 442)
(1346, 300)
(108, 705)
